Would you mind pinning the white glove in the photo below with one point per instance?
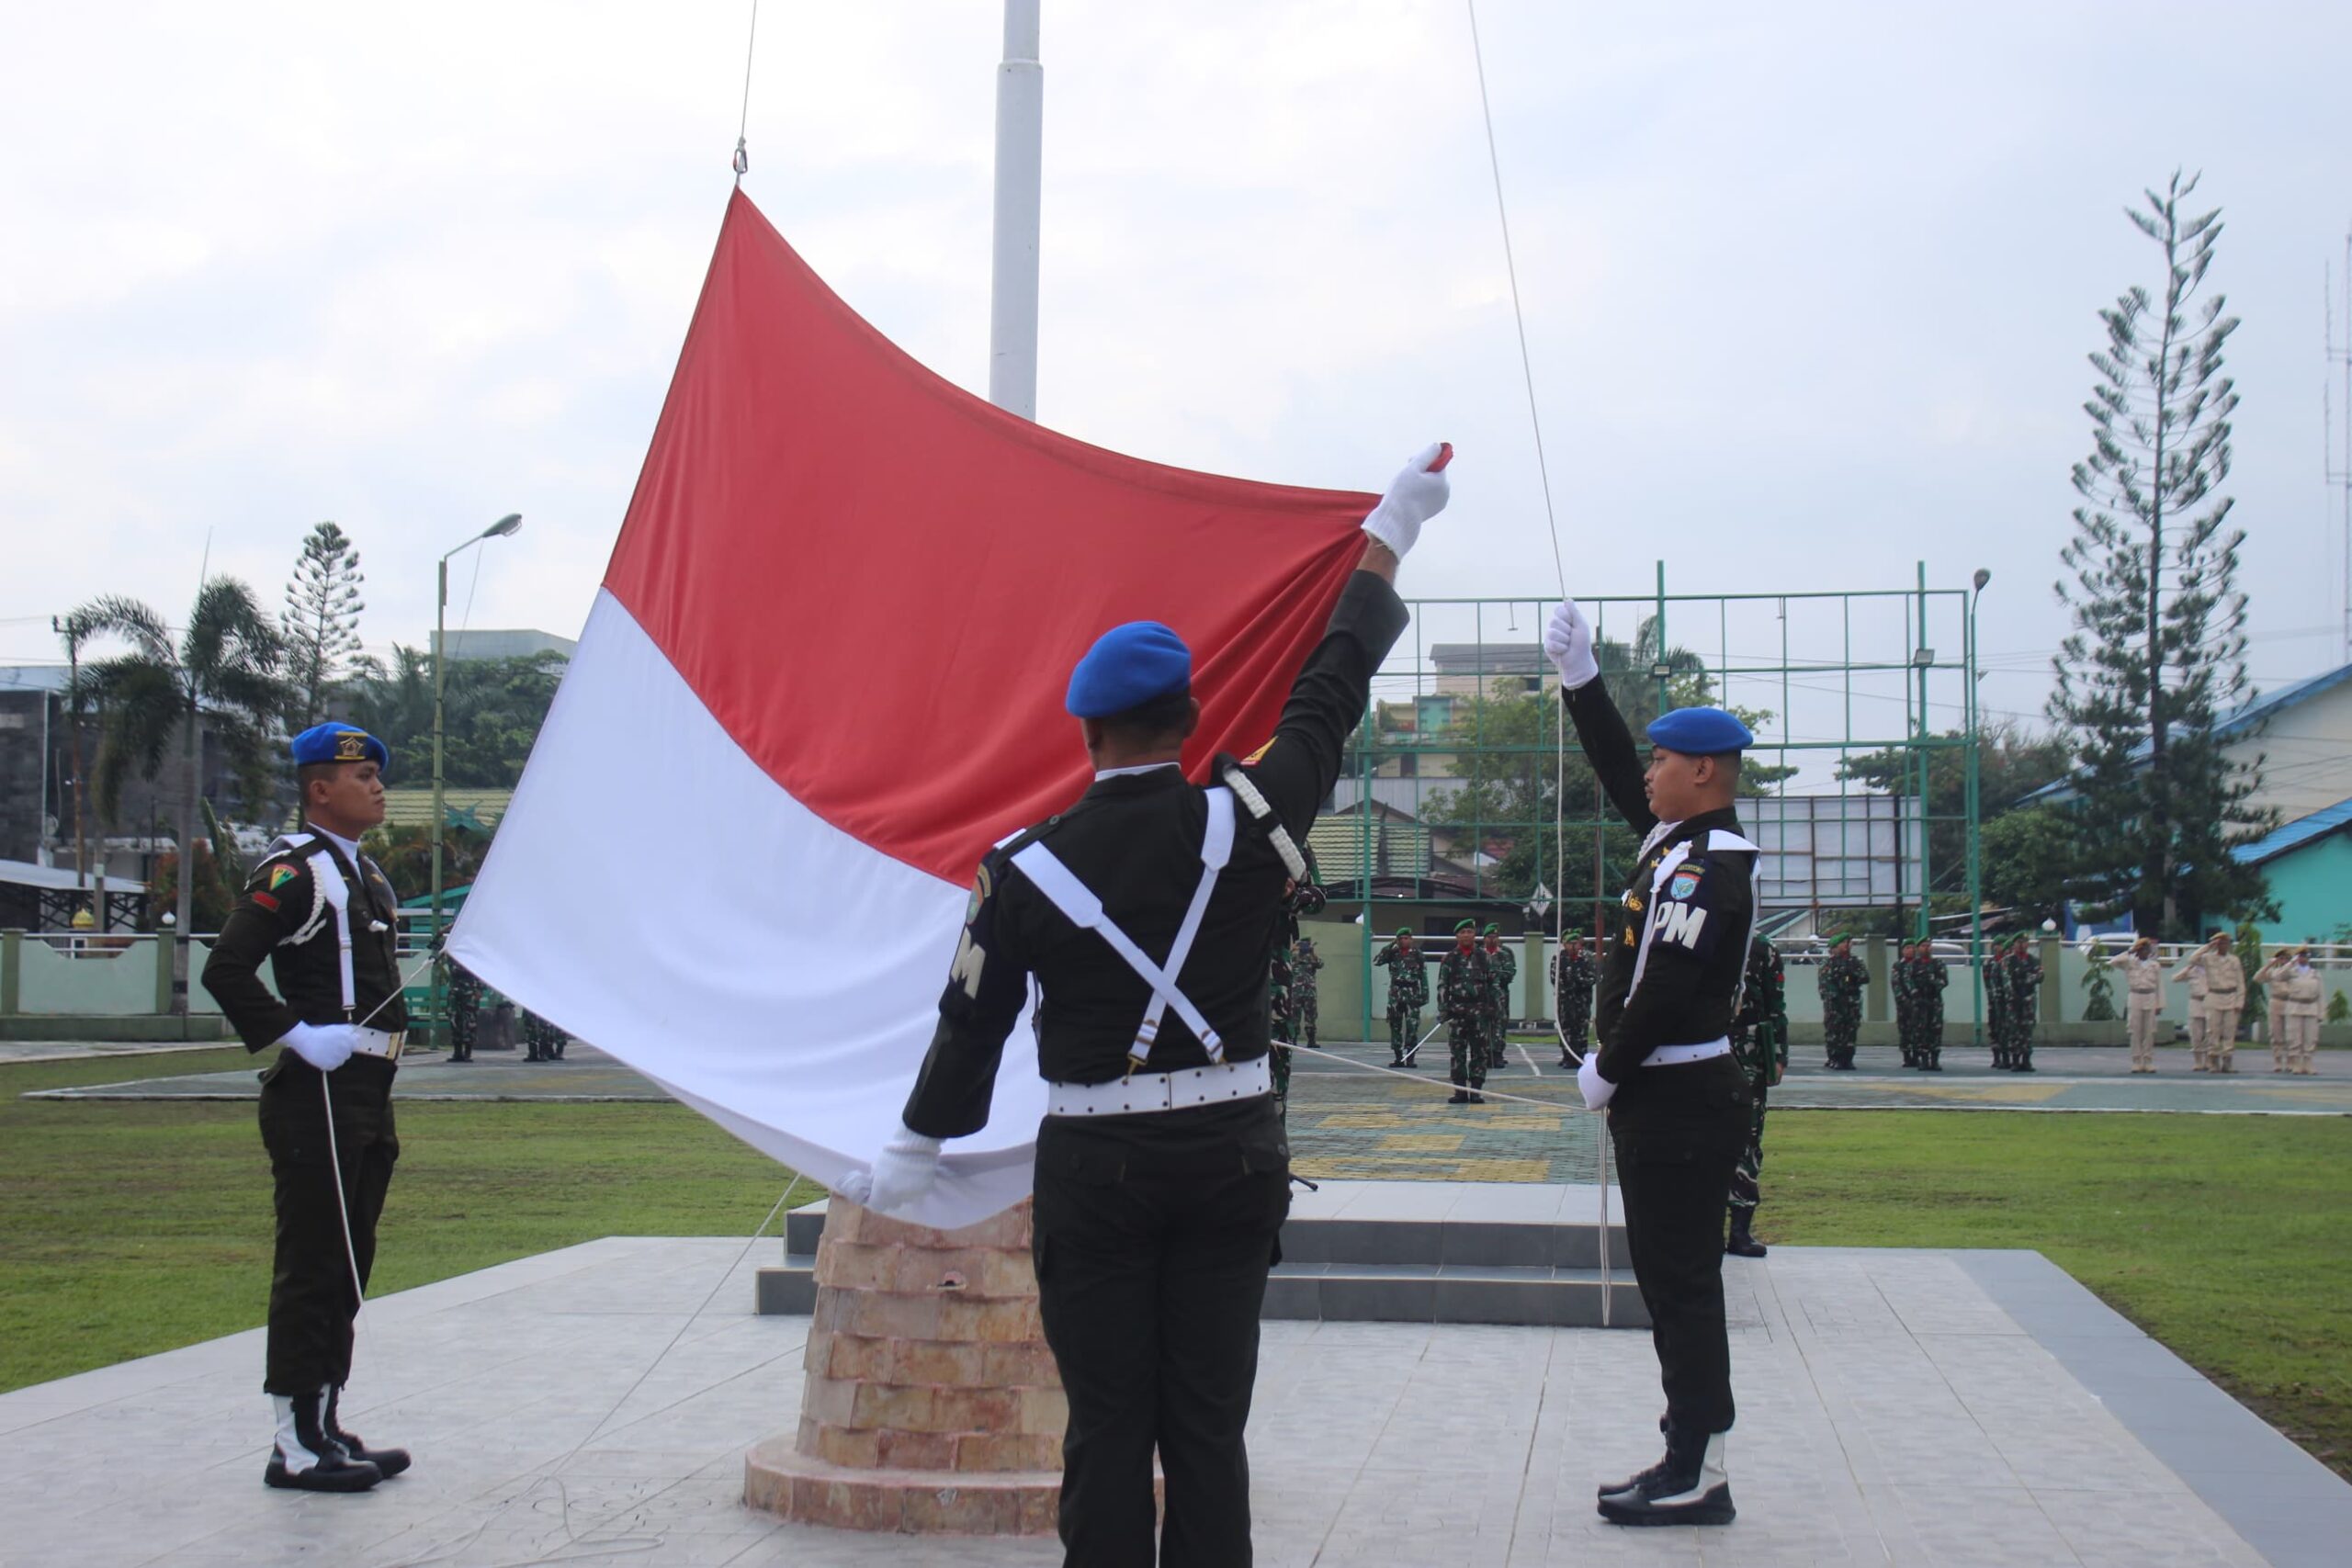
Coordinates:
(326, 1046)
(907, 1167)
(1414, 497)
(1567, 641)
(1597, 1090)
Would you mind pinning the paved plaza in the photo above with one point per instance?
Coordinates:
(1896, 1408)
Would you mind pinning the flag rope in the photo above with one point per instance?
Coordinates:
(1559, 566)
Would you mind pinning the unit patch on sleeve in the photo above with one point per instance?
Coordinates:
(280, 875)
(1685, 883)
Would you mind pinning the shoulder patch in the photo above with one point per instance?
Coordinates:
(1685, 883)
(280, 875)
(982, 885)
(1252, 760)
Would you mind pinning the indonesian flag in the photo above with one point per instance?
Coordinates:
(823, 675)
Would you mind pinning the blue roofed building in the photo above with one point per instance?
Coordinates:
(2303, 734)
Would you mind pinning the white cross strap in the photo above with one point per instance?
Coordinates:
(1082, 909)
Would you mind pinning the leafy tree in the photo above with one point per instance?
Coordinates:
(220, 676)
(2158, 644)
(492, 711)
(320, 621)
(2011, 765)
(212, 900)
(1511, 774)
(405, 852)
(2098, 985)
(2026, 855)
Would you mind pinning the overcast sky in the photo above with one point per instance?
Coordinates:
(1809, 287)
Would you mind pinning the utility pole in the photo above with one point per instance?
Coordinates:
(2338, 462)
(1020, 162)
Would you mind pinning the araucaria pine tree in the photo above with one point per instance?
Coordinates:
(2157, 650)
(322, 620)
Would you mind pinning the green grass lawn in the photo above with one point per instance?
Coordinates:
(127, 1228)
(2227, 1237)
(131, 1227)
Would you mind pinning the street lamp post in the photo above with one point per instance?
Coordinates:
(1976, 806)
(498, 530)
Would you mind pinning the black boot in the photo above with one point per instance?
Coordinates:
(305, 1460)
(391, 1462)
(1638, 1477)
(1740, 1244)
(1689, 1486)
(1458, 1098)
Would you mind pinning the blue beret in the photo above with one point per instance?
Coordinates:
(1699, 732)
(339, 743)
(1127, 665)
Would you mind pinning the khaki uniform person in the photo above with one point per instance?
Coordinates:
(2305, 995)
(2193, 973)
(2143, 979)
(2272, 978)
(2224, 1000)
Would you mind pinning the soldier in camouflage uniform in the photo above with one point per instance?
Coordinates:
(1843, 979)
(2024, 988)
(1997, 1008)
(541, 1039)
(1502, 968)
(1464, 996)
(1299, 899)
(463, 994)
(1409, 993)
(1760, 1043)
(1929, 988)
(1905, 983)
(1572, 981)
(1306, 1010)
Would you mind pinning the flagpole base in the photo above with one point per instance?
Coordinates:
(931, 1404)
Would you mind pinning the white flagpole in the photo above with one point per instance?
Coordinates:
(1020, 158)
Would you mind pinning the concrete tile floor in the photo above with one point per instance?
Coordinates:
(1897, 1407)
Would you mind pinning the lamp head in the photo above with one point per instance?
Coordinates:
(1982, 577)
(510, 524)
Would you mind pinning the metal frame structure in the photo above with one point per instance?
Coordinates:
(1847, 672)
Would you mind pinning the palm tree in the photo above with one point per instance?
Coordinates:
(224, 668)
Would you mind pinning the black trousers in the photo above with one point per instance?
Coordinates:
(1153, 1236)
(1678, 1132)
(312, 1301)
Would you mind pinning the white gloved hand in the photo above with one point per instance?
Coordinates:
(1415, 496)
(326, 1046)
(1597, 1090)
(907, 1168)
(1567, 642)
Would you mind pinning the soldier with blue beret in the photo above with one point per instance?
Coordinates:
(324, 917)
(1672, 964)
(1148, 912)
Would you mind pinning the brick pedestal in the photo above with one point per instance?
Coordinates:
(932, 1404)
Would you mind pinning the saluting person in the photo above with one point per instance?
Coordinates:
(1162, 1171)
(1678, 1105)
(324, 917)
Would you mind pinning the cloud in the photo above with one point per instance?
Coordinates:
(1807, 289)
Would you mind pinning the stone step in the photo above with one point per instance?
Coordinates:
(1391, 1252)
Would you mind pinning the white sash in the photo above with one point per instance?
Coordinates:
(1073, 899)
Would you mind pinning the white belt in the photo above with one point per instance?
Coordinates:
(1179, 1090)
(1675, 1056)
(377, 1043)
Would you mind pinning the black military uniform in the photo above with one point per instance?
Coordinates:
(1154, 1232)
(1671, 975)
(287, 916)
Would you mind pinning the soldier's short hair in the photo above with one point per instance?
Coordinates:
(1166, 718)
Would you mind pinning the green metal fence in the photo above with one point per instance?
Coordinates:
(1459, 798)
